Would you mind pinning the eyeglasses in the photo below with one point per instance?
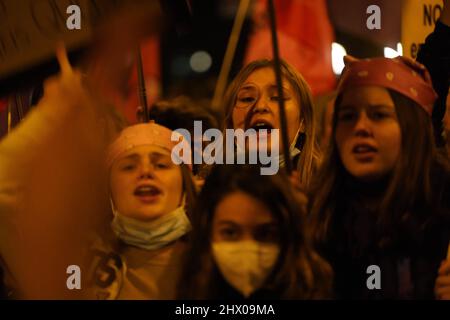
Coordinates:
(249, 94)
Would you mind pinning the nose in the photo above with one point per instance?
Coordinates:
(146, 171)
(363, 125)
(261, 105)
(247, 235)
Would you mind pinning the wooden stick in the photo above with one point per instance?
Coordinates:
(141, 85)
(277, 69)
(229, 53)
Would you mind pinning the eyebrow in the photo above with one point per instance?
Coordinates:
(226, 222)
(158, 155)
(346, 106)
(286, 91)
(133, 156)
(153, 154)
(247, 87)
(386, 106)
(251, 85)
(263, 224)
(376, 105)
(274, 86)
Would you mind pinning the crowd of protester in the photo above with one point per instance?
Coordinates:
(370, 187)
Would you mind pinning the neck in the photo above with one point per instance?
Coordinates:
(369, 188)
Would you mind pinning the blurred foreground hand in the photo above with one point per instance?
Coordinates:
(63, 199)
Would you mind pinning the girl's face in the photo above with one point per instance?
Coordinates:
(245, 241)
(257, 104)
(145, 183)
(240, 217)
(368, 134)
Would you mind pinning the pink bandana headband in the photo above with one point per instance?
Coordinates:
(145, 134)
(405, 78)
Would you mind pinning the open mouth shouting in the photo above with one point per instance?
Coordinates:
(147, 193)
(364, 151)
(260, 124)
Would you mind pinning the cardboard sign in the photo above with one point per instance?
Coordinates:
(418, 20)
(29, 29)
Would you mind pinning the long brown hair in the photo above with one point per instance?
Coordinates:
(310, 154)
(189, 190)
(299, 273)
(411, 187)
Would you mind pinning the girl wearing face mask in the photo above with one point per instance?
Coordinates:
(248, 241)
(381, 198)
(151, 198)
(251, 102)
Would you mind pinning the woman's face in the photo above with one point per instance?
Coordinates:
(240, 217)
(368, 134)
(145, 183)
(257, 104)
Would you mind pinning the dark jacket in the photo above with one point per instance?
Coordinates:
(435, 55)
(408, 254)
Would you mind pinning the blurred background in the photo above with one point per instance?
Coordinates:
(187, 55)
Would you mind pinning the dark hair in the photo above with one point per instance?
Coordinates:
(300, 273)
(189, 190)
(410, 187)
(180, 113)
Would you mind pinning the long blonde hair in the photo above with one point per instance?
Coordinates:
(310, 153)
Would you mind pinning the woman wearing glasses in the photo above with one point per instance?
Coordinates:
(251, 102)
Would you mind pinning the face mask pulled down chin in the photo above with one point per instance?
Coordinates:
(245, 265)
(276, 159)
(154, 234)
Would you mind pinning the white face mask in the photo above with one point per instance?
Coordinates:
(293, 150)
(154, 234)
(245, 264)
